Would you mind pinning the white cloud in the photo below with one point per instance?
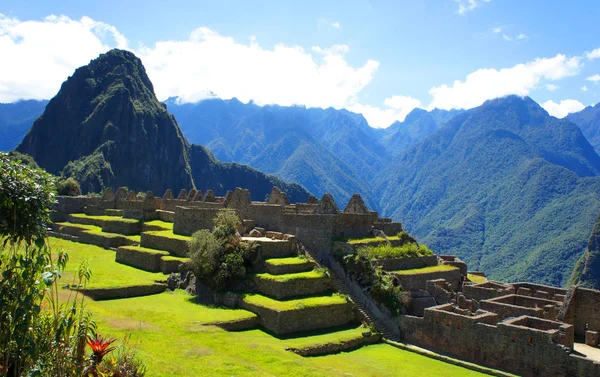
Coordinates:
(497, 29)
(552, 87)
(336, 25)
(521, 36)
(594, 54)
(564, 108)
(396, 108)
(465, 6)
(506, 37)
(594, 78)
(584, 88)
(44, 53)
(488, 83)
(285, 75)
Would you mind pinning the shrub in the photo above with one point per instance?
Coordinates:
(219, 258)
(26, 196)
(68, 187)
(383, 287)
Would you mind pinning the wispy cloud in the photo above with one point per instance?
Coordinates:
(336, 25)
(564, 108)
(594, 54)
(465, 6)
(509, 37)
(584, 88)
(488, 83)
(552, 87)
(594, 78)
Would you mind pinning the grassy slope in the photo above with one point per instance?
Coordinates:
(168, 332)
(105, 271)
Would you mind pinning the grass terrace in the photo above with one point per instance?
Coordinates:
(335, 337)
(286, 261)
(106, 273)
(104, 218)
(93, 229)
(280, 306)
(158, 224)
(168, 234)
(426, 270)
(314, 274)
(476, 278)
(386, 251)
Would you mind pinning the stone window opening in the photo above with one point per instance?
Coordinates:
(530, 340)
(513, 337)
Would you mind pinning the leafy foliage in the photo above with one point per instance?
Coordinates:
(26, 195)
(219, 258)
(383, 287)
(68, 187)
(507, 188)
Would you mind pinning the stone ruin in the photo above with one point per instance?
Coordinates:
(526, 329)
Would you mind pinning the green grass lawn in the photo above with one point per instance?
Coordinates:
(106, 273)
(314, 274)
(476, 278)
(169, 234)
(267, 302)
(426, 270)
(161, 224)
(105, 218)
(93, 229)
(356, 241)
(287, 261)
(168, 331)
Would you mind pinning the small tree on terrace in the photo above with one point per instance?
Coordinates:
(219, 258)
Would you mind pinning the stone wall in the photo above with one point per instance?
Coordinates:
(517, 305)
(66, 205)
(188, 220)
(303, 319)
(282, 290)
(509, 346)
(584, 311)
(142, 258)
(487, 290)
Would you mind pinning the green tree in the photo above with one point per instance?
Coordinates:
(68, 187)
(219, 258)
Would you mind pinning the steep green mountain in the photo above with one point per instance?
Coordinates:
(587, 270)
(418, 124)
(106, 128)
(505, 186)
(588, 120)
(15, 120)
(325, 150)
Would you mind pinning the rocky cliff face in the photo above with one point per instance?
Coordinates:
(106, 128)
(587, 270)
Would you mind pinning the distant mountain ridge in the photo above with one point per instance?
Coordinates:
(505, 186)
(588, 120)
(325, 150)
(106, 128)
(587, 270)
(15, 120)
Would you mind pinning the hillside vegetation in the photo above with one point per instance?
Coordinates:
(106, 128)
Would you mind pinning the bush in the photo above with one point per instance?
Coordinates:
(68, 187)
(219, 258)
(26, 196)
(383, 287)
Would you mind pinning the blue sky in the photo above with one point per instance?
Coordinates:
(380, 58)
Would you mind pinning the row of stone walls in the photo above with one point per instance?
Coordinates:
(487, 290)
(519, 350)
(419, 281)
(506, 310)
(66, 205)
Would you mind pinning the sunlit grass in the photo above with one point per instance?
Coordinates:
(426, 270)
